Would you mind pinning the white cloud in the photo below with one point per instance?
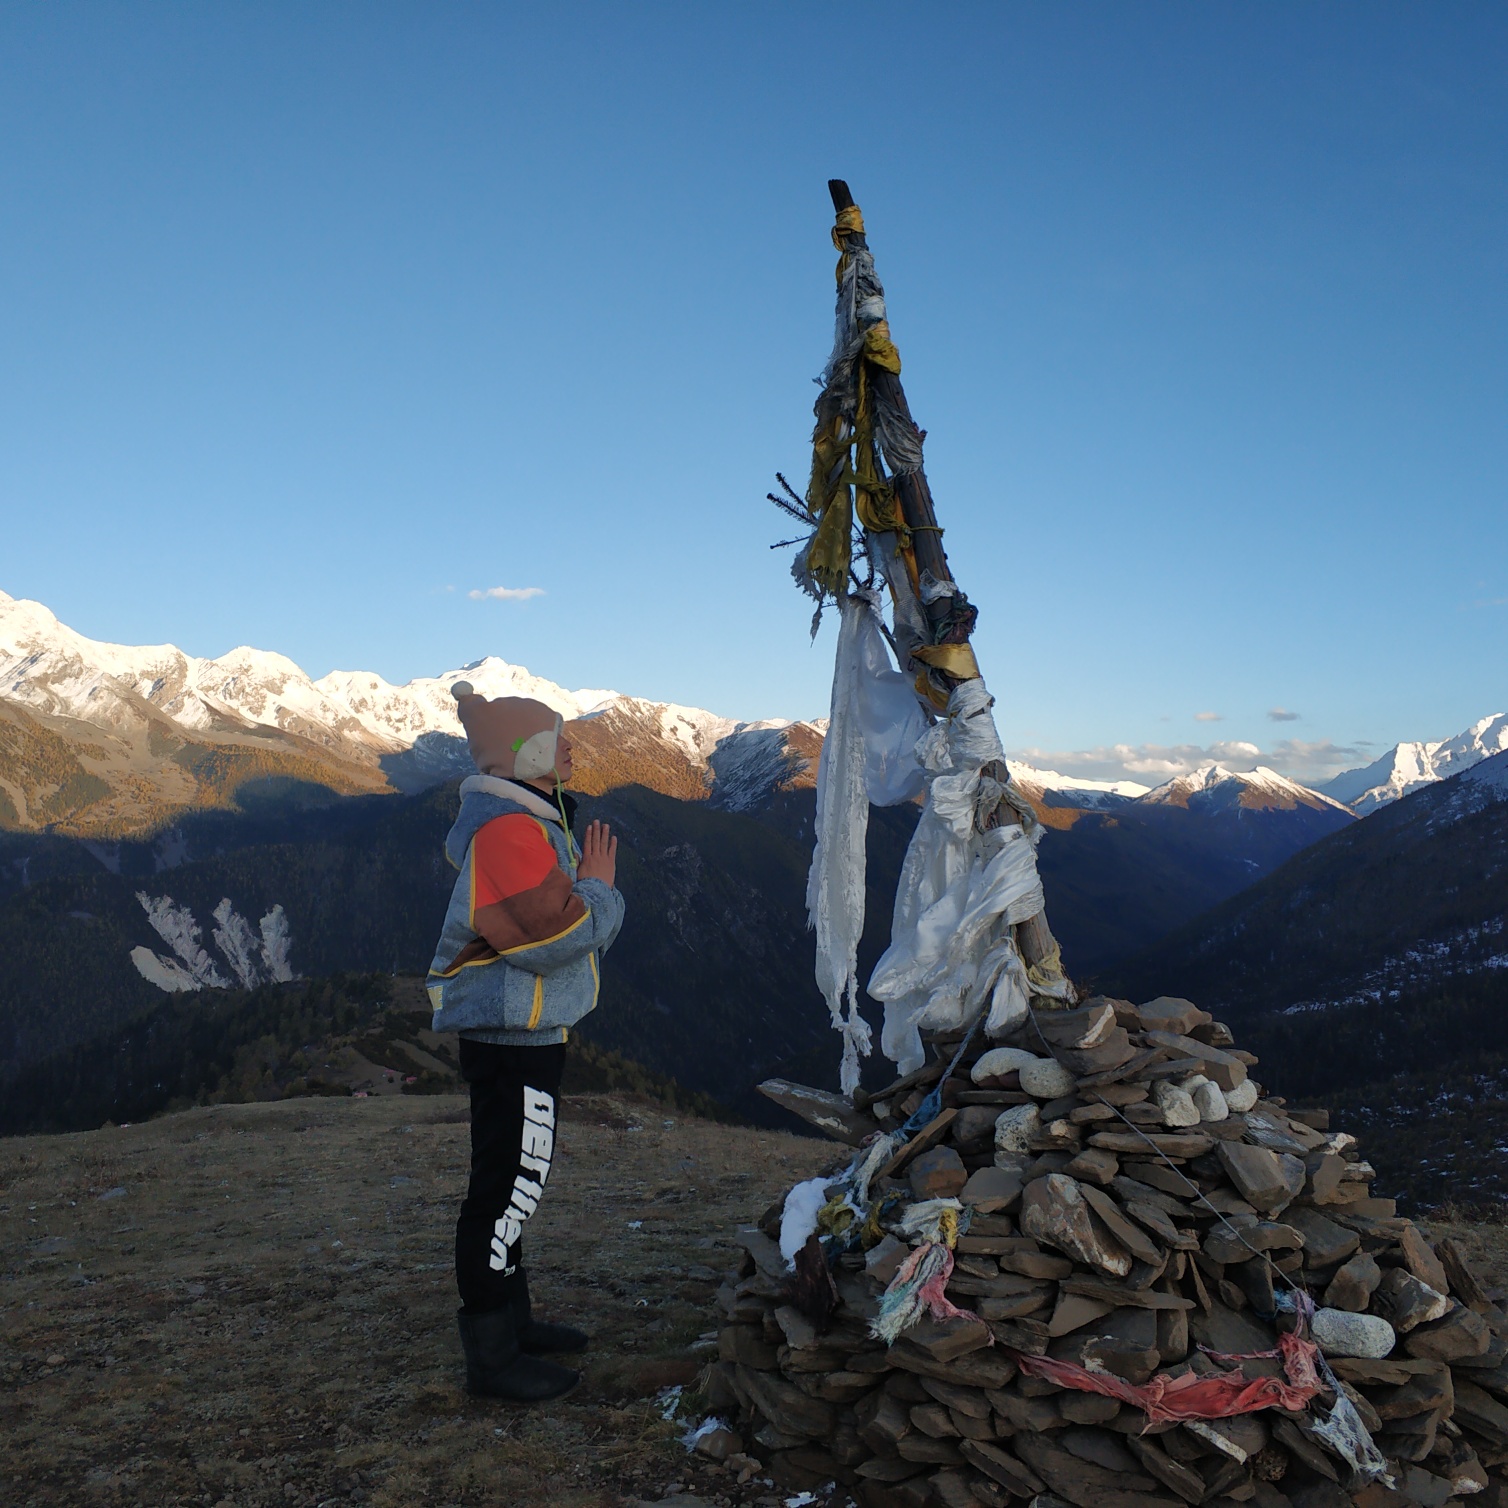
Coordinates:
(1149, 763)
(1314, 763)
(505, 593)
(1281, 715)
(1208, 717)
(1152, 764)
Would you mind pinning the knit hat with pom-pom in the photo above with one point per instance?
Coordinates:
(511, 736)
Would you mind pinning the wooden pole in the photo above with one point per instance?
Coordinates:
(1034, 938)
(911, 489)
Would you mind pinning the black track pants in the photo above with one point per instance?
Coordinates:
(513, 1094)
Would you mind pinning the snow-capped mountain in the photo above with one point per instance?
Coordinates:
(45, 665)
(408, 737)
(411, 731)
(1407, 766)
(1069, 790)
(1213, 788)
(233, 773)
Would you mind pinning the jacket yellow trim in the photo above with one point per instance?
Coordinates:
(596, 977)
(539, 1002)
(471, 963)
(524, 947)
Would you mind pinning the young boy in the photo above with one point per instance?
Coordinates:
(515, 969)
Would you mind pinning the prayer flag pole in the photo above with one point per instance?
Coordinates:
(913, 492)
(868, 497)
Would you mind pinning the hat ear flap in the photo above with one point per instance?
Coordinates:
(534, 758)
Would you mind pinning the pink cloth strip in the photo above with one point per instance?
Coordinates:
(931, 1293)
(1166, 1400)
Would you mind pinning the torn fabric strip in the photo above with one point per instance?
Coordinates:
(1167, 1400)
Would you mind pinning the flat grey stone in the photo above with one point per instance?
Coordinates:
(1054, 1210)
(829, 1113)
(1086, 1027)
(1267, 1180)
(1170, 1014)
(1408, 1302)
(1353, 1285)
(1325, 1242)
(990, 1189)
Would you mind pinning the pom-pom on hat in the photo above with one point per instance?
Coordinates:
(511, 736)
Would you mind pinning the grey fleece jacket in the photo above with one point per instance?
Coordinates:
(532, 990)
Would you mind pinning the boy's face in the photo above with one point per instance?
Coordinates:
(563, 758)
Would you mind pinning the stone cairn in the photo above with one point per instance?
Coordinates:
(1126, 1199)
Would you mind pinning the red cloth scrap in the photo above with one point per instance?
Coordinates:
(1166, 1400)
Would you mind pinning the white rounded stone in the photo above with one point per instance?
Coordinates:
(1015, 1127)
(1243, 1097)
(1046, 1079)
(1192, 1082)
(1177, 1105)
(1338, 1332)
(999, 1061)
(1210, 1102)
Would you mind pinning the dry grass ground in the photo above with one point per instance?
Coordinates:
(1485, 1243)
(252, 1305)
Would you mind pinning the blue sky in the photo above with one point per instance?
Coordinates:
(319, 318)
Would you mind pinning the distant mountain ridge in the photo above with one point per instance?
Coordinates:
(150, 748)
(408, 737)
(146, 707)
(1413, 897)
(1407, 767)
(241, 796)
(1213, 788)
(1054, 789)
(45, 665)
(1369, 972)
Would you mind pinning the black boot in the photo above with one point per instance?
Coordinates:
(496, 1367)
(540, 1337)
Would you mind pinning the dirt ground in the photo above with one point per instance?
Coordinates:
(250, 1305)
